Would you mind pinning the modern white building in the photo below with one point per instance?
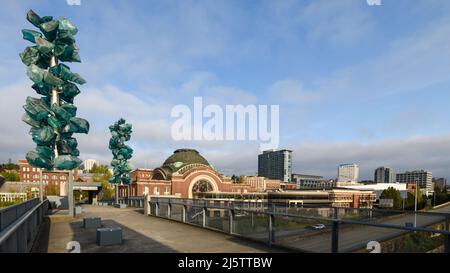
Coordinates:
(88, 164)
(423, 178)
(348, 173)
(380, 187)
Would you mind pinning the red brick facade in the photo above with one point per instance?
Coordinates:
(183, 182)
(29, 174)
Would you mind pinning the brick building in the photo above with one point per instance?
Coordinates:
(57, 179)
(185, 174)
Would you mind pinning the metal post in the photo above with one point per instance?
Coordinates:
(116, 197)
(231, 215)
(447, 237)
(415, 206)
(335, 237)
(184, 213)
(41, 188)
(204, 217)
(271, 228)
(169, 210)
(157, 208)
(70, 194)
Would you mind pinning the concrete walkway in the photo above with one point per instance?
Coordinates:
(140, 234)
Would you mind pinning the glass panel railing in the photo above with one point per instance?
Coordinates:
(194, 215)
(176, 212)
(252, 225)
(303, 234)
(218, 219)
(163, 210)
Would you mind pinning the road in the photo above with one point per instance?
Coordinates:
(356, 237)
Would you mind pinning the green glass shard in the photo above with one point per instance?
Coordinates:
(42, 88)
(35, 73)
(68, 147)
(61, 113)
(46, 19)
(70, 108)
(30, 121)
(29, 56)
(51, 79)
(69, 91)
(44, 46)
(55, 123)
(64, 72)
(45, 152)
(126, 152)
(67, 162)
(31, 35)
(43, 136)
(64, 37)
(77, 125)
(65, 25)
(126, 179)
(33, 18)
(49, 29)
(35, 160)
(36, 108)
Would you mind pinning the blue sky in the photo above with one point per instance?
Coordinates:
(355, 83)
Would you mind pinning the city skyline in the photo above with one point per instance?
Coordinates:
(343, 97)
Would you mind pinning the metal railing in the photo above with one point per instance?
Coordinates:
(307, 230)
(137, 201)
(19, 225)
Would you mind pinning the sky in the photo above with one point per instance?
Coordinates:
(354, 83)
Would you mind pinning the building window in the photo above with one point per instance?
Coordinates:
(156, 190)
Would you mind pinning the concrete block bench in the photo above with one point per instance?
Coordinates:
(92, 222)
(78, 210)
(109, 236)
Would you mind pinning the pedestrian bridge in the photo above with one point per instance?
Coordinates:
(186, 225)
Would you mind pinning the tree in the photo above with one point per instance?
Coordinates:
(394, 194)
(102, 174)
(10, 176)
(410, 201)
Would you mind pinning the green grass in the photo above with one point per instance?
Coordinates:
(4, 204)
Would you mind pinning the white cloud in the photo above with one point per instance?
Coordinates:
(291, 92)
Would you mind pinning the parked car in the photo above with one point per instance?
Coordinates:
(318, 226)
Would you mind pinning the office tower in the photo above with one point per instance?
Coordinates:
(348, 173)
(384, 175)
(423, 178)
(276, 164)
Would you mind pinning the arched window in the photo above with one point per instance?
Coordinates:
(202, 186)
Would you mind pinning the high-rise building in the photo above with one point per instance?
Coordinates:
(423, 179)
(440, 183)
(88, 164)
(348, 173)
(384, 175)
(276, 164)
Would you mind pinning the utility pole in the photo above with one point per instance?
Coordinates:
(415, 205)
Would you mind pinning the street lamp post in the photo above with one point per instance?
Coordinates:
(415, 205)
